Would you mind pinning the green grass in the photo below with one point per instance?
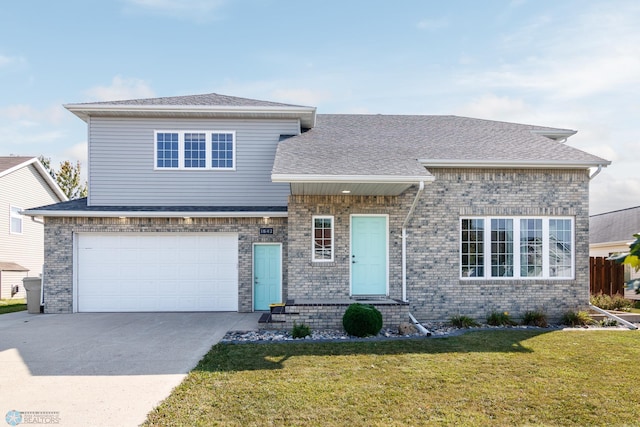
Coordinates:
(12, 305)
(504, 377)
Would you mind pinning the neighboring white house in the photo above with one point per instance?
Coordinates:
(24, 184)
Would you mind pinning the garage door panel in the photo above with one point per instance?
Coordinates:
(157, 272)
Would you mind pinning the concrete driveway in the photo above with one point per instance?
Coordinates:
(101, 369)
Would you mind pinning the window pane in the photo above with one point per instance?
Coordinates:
(222, 150)
(15, 220)
(322, 241)
(560, 251)
(167, 150)
(530, 247)
(195, 151)
(472, 247)
(502, 247)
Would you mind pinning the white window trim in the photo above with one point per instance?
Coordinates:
(516, 248)
(313, 237)
(208, 150)
(17, 215)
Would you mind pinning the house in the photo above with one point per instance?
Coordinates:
(212, 202)
(24, 183)
(612, 232)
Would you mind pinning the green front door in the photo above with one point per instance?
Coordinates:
(267, 272)
(369, 255)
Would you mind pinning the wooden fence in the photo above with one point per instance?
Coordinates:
(606, 276)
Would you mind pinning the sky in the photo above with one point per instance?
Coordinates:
(572, 64)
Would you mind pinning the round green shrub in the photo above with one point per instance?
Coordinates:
(361, 320)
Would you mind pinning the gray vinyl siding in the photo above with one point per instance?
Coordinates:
(121, 165)
(24, 188)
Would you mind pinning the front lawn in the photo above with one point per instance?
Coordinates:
(502, 377)
(12, 305)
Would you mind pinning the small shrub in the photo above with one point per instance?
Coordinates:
(577, 318)
(463, 322)
(606, 302)
(496, 318)
(607, 323)
(300, 331)
(361, 320)
(535, 318)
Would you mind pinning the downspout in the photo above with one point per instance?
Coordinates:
(613, 316)
(593, 175)
(404, 241)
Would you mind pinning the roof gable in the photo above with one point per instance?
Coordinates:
(11, 164)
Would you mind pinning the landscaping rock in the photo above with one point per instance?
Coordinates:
(406, 328)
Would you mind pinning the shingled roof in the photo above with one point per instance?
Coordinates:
(615, 226)
(208, 99)
(348, 144)
(211, 105)
(8, 162)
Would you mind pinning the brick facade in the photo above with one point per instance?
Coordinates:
(58, 268)
(434, 289)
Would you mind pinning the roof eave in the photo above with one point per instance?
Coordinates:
(513, 164)
(156, 214)
(307, 115)
(351, 179)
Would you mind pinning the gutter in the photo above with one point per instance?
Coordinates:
(404, 241)
(593, 175)
(154, 214)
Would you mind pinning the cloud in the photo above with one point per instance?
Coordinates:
(121, 88)
(493, 107)
(198, 10)
(597, 52)
(27, 115)
(433, 24)
(609, 193)
(6, 61)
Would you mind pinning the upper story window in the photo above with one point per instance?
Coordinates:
(517, 247)
(211, 150)
(322, 238)
(15, 220)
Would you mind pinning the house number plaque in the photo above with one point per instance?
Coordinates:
(266, 231)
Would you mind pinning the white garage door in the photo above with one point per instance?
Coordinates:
(157, 272)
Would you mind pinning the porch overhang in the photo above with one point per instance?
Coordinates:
(355, 185)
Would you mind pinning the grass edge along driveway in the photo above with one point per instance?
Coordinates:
(12, 305)
(502, 377)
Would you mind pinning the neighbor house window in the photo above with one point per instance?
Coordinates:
(516, 247)
(322, 238)
(206, 150)
(15, 220)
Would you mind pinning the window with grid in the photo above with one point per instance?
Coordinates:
(560, 248)
(195, 150)
(191, 150)
(222, 150)
(472, 247)
(167, 150)
(517, 247)
(322, 238)
(501, 247)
